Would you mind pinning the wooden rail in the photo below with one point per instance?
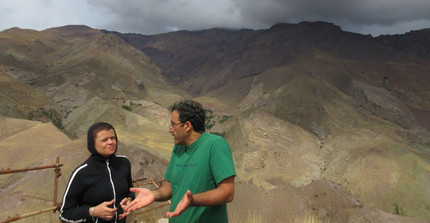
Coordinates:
(55, 204)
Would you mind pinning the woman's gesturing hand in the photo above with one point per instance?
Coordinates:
(104, 211)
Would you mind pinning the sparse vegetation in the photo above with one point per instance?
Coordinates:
(249, 75)
(209, 122)
(222, 134)
(309, 218)
(398, 210)
(262, 163)
(224, 118)
(360, 111)
(252, 217)
(384, 82)
(126, 107)
(150, 216)
(212, 119)
(257, 217)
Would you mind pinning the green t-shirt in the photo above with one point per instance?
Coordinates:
(199, 167)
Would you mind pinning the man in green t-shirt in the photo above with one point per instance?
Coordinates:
(200, 175)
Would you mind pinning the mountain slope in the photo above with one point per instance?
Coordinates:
(368, 138)
(32, 144)
(416, 42)
(202, 61)
(74, 64)
(341, 87)
(20, 100)
(307, 108)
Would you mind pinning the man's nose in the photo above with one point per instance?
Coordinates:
(170, 130)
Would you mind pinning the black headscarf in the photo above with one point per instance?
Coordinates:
(90, 140)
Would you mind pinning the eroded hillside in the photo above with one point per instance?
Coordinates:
(319, 120)
(26, 144)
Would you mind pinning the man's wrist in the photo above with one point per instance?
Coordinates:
(156, 194)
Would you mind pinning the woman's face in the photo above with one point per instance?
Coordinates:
(105, 143)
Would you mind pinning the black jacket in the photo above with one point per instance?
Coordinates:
(95, 181)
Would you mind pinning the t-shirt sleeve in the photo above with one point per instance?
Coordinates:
(221, 162)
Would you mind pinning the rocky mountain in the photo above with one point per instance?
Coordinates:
(76, 64)
(415, 42)
(319, 120)
(205, 60)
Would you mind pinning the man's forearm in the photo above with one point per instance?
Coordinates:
(163, 193)
(224, 193)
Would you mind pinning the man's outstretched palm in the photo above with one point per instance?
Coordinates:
(144, 198)
(183, 205)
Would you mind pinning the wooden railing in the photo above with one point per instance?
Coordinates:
(56, 205)
(57, 169)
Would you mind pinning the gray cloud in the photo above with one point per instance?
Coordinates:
(158, 16)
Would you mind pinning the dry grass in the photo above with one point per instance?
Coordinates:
(257, 217)
(252, 217)
(309, 217)
(150, 217)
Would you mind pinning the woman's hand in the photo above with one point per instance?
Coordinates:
(103, 211)
(125, 201)
(123, 204)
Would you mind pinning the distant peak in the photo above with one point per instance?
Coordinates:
(73, 31)
(317, 25)
(71, 28)
(18, 30)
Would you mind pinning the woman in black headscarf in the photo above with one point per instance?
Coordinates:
(98, 186)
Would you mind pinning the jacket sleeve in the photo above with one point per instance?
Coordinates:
(130, 181)
(72, 210)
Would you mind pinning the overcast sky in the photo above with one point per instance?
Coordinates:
(149, 17)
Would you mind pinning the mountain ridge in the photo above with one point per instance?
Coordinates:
(302, 105)
(246, 52)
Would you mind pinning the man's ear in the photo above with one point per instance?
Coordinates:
(188, 126)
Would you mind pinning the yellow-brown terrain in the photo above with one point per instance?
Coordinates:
(319, 120)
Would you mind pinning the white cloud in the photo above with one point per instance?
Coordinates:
(42, 14)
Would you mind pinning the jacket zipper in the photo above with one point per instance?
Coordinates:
(113, 187)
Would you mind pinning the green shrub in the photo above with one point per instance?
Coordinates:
(128, 108)
(398, 209)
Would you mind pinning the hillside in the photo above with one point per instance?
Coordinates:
(31, 144)
(361, 136)
(75, 64)
(20, 100)
(205, 60)
(415, 42)
(341, 87)
(22, 196)
(319, 120)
